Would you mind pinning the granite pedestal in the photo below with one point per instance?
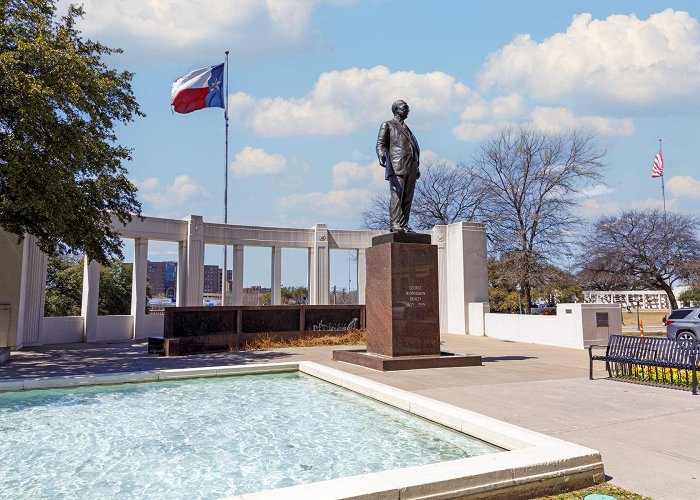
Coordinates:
(403, 326)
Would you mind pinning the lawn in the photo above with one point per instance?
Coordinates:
(650, 318)
(601, 489)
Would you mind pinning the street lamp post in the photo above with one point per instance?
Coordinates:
(638, 315)
(520, 304)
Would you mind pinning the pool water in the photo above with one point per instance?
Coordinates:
(206, 438)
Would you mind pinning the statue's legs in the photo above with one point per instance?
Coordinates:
(401, 189)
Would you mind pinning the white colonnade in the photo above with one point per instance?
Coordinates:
(461, 264)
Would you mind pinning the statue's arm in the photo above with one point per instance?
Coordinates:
(382, 143)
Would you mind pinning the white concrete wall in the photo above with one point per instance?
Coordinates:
(62, 329)
(152, 327)
(115, 328)
(573, 326)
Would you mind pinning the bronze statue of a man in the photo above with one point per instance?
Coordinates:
(399, 154)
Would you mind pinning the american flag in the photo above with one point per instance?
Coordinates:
(658, 169)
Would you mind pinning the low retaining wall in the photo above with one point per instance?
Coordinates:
(189, 330)
(575, 325)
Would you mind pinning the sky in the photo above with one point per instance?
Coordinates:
(311, 80)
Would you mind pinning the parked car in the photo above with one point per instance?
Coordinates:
(683, 324)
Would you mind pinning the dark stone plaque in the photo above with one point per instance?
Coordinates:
(270, 319)
(197, 321)
(402, 300)
(601, 319)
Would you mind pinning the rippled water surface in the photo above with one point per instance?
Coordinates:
(206, 438)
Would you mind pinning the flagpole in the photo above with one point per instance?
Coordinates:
(224, 273)
(665, 228)
(663, 191)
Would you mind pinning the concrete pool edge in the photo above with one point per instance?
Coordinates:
(534, 465)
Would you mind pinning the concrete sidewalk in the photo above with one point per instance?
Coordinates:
(648, 436)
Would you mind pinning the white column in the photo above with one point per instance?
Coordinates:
(31, 295)
(195, 261)
(467, 277)
(320, 265)
(91, 295)
(311, 278)
(276, 276)
(237, 298)
(439, 237)
(138, 287)
(361, 275)
(181, 292)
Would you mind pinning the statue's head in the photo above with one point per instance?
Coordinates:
(400, 108)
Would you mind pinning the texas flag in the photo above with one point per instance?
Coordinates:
(198, 89)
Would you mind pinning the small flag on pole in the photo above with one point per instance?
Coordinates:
(201, 88)
(657, 170)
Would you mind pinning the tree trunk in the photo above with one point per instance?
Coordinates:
(671, 297)
(528, 299)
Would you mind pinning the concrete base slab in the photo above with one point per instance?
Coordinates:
(4, 354)
(386, 363)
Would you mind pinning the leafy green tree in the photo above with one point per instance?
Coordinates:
(62, 177)
(692, 295)
(503, 296)
(115, 288)
(64, 286)
(294, 294)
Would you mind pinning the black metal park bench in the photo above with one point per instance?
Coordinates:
(654, 361)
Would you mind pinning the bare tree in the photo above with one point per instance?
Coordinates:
(531, 179)
(376, 216)
(649, 248)
(445, 193)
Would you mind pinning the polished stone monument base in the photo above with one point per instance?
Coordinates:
(403, 327)
(389, 363)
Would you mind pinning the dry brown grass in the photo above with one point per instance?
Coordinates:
(267, 342)
(649, 318)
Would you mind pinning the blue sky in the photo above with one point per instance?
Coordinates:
(310, 82)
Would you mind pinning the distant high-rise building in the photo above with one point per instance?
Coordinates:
(162, 278)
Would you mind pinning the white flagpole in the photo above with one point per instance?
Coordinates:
(224, 273)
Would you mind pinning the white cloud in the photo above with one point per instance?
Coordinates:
(254, 162)
(597, 190)
(488, 117)
(344, 101)
(558, 119)
(592, 207)
(621, 57)
(330, 203)
(347, 173)
(684, 186)
(470, 131)
(182, 190)
(179, 27)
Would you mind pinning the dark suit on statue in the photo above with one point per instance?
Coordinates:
(397, 143)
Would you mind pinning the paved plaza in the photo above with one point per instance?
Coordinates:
(648, 436)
